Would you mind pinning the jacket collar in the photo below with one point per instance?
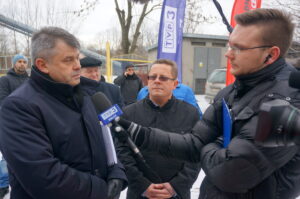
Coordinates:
(49, 85)
(167, 106)
(89, 82)
(132, 77)
(244, 83)
(13, 73)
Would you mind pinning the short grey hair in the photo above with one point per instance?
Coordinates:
(43, 42)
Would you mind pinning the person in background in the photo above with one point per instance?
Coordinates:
(182, 92)
(91, 82)
(49, 130)
(130, 84)
(16, 76)
(160, 109)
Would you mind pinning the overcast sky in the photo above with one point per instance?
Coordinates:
(104, 17)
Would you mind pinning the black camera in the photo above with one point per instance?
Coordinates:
(278, 121)
(278, 124)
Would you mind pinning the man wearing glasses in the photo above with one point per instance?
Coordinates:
(242, 169)
(160, 109)
(130, 84)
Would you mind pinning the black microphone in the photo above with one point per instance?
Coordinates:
(103, 104)
(294, 80)
(104, 107)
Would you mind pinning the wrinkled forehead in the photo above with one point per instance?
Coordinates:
(162, 69)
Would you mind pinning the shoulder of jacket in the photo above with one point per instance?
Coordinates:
(224, 92)
(109, 85)
(185, 106)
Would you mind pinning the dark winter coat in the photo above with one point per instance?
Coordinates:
(130, 86)
(170, 117)
(10, 82)
(111, 91)
(50, 137)
(243, 169)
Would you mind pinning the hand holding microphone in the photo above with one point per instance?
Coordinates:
(135, 131)
(110, 114)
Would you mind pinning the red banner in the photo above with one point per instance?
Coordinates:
(239, 7)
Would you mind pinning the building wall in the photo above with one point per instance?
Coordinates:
(189, 75)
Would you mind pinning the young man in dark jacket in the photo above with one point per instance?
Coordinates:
(91, 82)
(15, 76)
(49, 131)
(13, 79)
(243, 169)
(160, 109)
(130, 84)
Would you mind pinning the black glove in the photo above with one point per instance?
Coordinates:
(135, 131)
(114, 188)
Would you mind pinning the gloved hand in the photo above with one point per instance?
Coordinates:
(135, 131)
(114, 188)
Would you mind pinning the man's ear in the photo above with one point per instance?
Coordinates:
(41, 64)
(273, 55)
(175, 83)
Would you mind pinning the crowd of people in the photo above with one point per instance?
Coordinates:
(54, 146)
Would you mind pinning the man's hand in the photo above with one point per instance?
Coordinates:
(135, 131)
(170, 189)
(114, 188)
(158, 191)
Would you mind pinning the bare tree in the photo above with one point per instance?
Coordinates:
(125, 20)
(35, 13)
(194, 15)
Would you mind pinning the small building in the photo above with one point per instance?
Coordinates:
(201, 54)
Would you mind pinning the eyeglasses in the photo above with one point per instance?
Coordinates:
(160, 78)
(237, 50)
(130, 69)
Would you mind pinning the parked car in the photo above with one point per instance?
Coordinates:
(215, 82)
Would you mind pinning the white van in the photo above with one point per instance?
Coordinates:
(215, 82)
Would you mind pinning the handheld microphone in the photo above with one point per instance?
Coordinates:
(108, 114)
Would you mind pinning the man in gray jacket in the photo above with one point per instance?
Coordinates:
(14, 78)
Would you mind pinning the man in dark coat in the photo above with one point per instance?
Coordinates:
(13, 79)
(130, 84)
(242, 169)
(15, 76)
(49, 131)
(90, 80)
(160, 109)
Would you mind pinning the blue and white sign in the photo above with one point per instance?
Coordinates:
(170, 32)
(110, 114)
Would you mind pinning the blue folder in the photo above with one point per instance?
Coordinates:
(227, 124)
